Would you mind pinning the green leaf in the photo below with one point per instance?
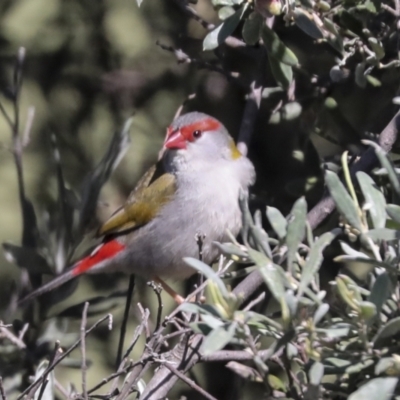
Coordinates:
(316, 373)
(97, 305)
(383, 234)
(314, 260)
(26, 257)
(276, 48)
(376, 388)
(306, 23)
(351, 252)
(391, 328)
(222, 31)
(359, 75)
(217, 339)
(320, 313)
(252, 28)
(367, 261)
(381, 291)
(374, 82)
(383, 365)
(272, 274)
(295, 230)
(291, 111)
(277, 221)
(211, 321)
(225, 12)
(387, 164)
(367, 310)
(233, 251)
(343, 200)
(393, 211)
(219, 3)
(282, 73)
(91, 189)
(208, 272)
(376, 47)
(375, 198)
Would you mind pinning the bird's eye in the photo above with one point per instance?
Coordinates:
(197, 134)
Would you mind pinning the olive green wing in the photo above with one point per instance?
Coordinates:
(153, 191)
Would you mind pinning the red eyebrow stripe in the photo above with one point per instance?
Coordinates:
(207, 124)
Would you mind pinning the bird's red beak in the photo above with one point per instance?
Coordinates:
(175, 140)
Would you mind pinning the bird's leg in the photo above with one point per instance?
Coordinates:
(177, 297)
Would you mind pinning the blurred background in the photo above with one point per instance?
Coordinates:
(90, 64)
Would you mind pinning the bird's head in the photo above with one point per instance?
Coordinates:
(197, 135)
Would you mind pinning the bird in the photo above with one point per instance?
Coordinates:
(193, 188)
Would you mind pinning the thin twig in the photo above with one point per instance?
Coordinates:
(83, 350)
(11, 337)
(61, 388)
(252, 303)
(43, 388)
(117, 374)
(2, 391)
(157, 290)
(249, 117)
(200, 242)
(23, 331)
(183, 58)
(28, 126)
(58, 357)
(188, 381)
(125, 320)
(138, 332)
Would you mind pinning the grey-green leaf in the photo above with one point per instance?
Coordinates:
(217, 339)
(277, 49)
(222, 31)
(393, 211)
(386, 163)
(277, 221)
(314, 259)
(225, 12)
(296, 228)
(252, 28)
(316, 373)
(273, 277)
(381, 291)
(377, 388)
(305, 22)
(343, 200)
(390, 329)
(384, 234)
(26, 257)
(208, 272)
(282, 73)
(375, 198)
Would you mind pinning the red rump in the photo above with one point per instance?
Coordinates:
(107, 250)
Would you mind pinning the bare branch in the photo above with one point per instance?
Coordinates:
(125, 319)
(58, 357)
(188, 381)
(4, 332)
(83, 350)
(2, 391)
(249, 118)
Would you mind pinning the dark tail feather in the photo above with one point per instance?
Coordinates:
(55, 283)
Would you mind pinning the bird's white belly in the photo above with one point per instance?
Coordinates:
(159, 249)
